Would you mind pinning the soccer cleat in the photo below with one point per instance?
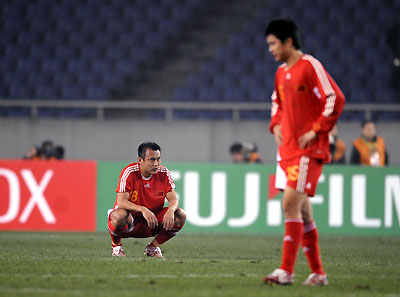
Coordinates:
(279, 277)
(315, 279)
(152, 251)
(118, 251)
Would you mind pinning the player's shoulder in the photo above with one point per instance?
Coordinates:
(133, 167)
(311, 61)
(281, 67)
(162, 169)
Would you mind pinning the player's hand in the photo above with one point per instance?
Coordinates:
(278, 134)
(169, 219)
(150, 218)
(305, 139)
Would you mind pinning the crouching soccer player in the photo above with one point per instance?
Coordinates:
(139, 210)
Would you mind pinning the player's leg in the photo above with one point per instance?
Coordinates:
(294, 196)
(292, 202)
(153, 248)
(120, 221)
(311, 247)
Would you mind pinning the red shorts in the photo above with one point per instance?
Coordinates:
(140, 227)
(302, 173)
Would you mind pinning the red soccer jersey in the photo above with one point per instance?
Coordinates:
(305, 97)
(145, 192)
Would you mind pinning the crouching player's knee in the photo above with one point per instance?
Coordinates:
(119, 218)
(180, 217)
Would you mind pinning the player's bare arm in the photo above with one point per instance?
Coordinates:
(123, 202)
(277, 130)
(305, 139)
(169, 217)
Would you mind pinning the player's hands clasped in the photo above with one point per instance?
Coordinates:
(168, 220)
(150, 218)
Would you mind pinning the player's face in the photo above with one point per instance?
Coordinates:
(237, 157)
(369, 131)
(277, 49)
(150, 163)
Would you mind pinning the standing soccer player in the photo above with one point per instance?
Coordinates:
(139, 208)
(306, 104)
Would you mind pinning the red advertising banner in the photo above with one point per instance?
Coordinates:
(48, 195)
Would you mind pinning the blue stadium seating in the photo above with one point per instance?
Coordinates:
(87, 47)
(71, 49)
(355, 53)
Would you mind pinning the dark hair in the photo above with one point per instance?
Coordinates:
(363, 123)
(47, 149)
(236, 148)
(147, 145)
(59, 152)
(283, 29)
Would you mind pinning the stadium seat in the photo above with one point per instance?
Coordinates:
(65, 79)
(111, 80)
(72, 92)
(249, 54)
(65, 52)
(127, 66)
(250, 81)
(209, 94)
(116, 25)
(93, 25)
(259, 95)
(169, 28)
(20, 91)
(185, 94)
(46, 91)
(77, 65)
(102, 66)
(97, 92)
(224, 80)
(90, 52)
(116, 52)
(234, 94)
(53, 66)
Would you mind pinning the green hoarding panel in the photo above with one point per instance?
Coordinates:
(107, 180)
(231, 198)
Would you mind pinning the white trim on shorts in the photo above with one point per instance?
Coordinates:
(280, 175)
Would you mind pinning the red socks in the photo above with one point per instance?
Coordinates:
(311, 247)
(165, 235)
(291, 242)
(115, 238)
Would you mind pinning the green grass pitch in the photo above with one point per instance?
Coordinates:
(80, 264)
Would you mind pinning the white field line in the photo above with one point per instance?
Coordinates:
(155, 276)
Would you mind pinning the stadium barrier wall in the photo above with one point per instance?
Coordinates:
(219, 198)
(231, 198)
(48, 195)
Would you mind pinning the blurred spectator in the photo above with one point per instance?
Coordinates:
(59, 152)
(33, 153)
(47, 151)
(337, 147)
(245, 153)
(393, 39)
(369, 149)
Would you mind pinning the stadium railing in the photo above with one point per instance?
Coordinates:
(101, 107)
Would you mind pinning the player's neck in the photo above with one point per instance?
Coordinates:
(293, 58)
(146, 175)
